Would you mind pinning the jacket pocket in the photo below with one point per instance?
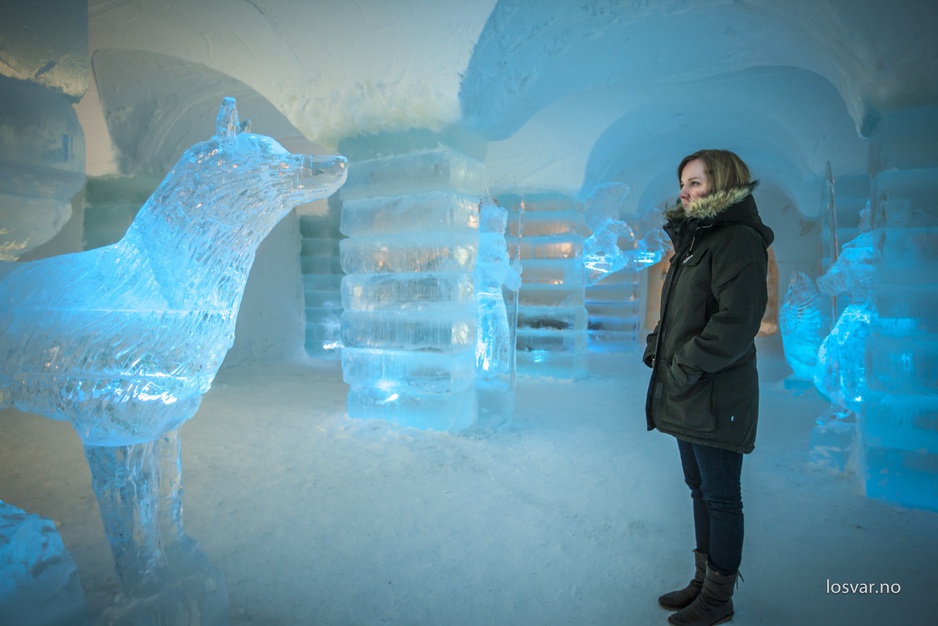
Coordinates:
(735, 398)
(688, 407)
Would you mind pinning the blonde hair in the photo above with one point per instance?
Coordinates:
(725, 170)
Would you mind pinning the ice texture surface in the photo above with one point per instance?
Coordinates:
(493, 270)
(495, 346)
(615, 244)
(852, 274)
(166, 579)
(841, 371)
(442, 169)
(38, 581)
(124, 340)
(408, 296)
(553, 290)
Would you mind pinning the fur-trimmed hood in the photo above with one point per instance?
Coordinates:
(708, 207)
(730, 206)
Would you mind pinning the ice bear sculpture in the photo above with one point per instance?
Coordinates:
(123, 341)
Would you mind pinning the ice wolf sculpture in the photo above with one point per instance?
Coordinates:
(124, 340)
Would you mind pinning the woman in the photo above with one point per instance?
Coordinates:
(704, 388)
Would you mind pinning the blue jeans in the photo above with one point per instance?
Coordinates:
(713, 475)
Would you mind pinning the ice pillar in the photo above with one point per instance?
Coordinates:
(899, 428)
(410, 213)
(552, 315)
(322, 279)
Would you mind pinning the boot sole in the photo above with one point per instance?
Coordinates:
(722, 621)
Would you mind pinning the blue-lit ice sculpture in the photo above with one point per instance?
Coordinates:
(841, 373)
(495, 346)
(615, 244)
(123, 341)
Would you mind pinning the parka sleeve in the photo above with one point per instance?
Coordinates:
(738, 284)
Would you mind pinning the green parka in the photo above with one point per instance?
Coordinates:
(704, 385)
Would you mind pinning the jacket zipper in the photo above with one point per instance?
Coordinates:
(690, 249)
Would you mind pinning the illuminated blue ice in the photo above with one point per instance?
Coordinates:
(124, 340)
(409, 308)
(615, 244)
(840, 372)
(38, 580)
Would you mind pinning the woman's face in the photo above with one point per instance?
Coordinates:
(694, 182)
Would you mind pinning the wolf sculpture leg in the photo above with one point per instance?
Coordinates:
(165, 578)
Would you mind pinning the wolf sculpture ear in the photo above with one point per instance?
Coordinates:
(227, 125)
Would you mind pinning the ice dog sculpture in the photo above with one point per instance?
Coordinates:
(124, 340)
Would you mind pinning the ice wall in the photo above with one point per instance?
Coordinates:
(899, 429)
(410, 213)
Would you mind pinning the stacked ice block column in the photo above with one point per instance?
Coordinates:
(615, 319)
(322, 279)
(552, 315)
(409, 319)
(899, 426)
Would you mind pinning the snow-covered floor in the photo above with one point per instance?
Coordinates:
(574, 515)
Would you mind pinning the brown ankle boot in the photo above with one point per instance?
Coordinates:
(675, 600)
(714, 605)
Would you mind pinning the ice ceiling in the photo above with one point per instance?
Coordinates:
(568, 94)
